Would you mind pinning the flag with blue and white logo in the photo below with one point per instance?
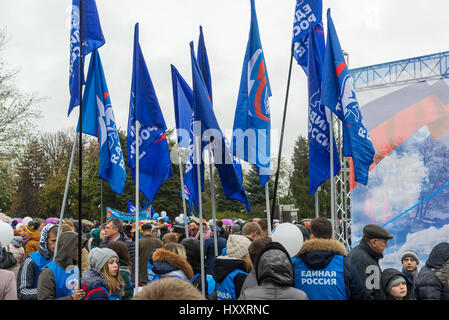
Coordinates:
(308, 15)
(339, 96)
(252, 120)
(318, 126)
(154, 154)
(99, 121)
(92, 38)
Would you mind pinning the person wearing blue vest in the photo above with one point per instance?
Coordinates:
(323, 270)
(59, 279)
(32, 266)
(230, 271)
(192, 247)
(102, 281)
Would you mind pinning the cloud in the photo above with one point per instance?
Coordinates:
(422, 242)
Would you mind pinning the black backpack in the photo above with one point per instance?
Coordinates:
(7, 260)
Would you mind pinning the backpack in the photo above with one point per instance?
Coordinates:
(8, 259)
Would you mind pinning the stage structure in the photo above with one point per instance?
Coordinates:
(372, 82)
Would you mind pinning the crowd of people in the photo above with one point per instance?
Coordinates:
(241, 263)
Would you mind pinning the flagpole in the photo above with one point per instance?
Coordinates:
(182, 192)
(331, 138)
(198, 170)
(212, 193)
(66, 191)
(282, 137)
(136, 257)
(317, 214)
(80, 169)
(267, 201)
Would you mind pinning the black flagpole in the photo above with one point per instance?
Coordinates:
(80, 170)
(273, 206)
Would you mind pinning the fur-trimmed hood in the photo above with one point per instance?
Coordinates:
(323, 245)
(318, 253)
(165, 262)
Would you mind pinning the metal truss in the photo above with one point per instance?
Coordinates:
(395, 73)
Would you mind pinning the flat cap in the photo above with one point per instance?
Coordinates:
(374, 231)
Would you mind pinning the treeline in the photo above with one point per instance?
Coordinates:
(33, 183)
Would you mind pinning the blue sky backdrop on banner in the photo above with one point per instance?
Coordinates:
(371, 32)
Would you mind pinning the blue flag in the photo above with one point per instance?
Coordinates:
(319, 137)
(154, 154)
(131, 207)
(203, 63)
(252, 120)
(99, 121)
(339, 96)
(308, 15)
(92, 38)
(183, 102)
(190, 189)
(203, 113)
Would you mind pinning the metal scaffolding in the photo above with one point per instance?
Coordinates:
(390, 74)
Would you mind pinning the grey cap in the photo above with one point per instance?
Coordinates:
(410, 254)
(374, 231)
(235, 228)
(394, 281)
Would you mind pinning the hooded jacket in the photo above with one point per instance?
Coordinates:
(389, 274)
(274, 273)
(67, 248)
(29, 270)
(224, 265)
(170, 264)
(432, 281)
(32, 244)
(93, 282)
(366, 261)
(318, 253)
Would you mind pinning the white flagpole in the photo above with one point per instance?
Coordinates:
(64, 201)
(181, 175)
(136, 260)
(198, 170)
(267, 201)
(331, 136)
(212, 192)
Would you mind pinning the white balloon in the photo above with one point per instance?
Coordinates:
(26, 220)
(6, 233)
(289, 236)
(163, 214)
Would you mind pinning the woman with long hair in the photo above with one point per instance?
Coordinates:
(125, 267)
(102, 281)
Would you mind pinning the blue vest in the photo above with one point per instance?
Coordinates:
(210, 282)
(226, 288)
(151, 276)
(40, 262)
(321, 284)
(66, 280)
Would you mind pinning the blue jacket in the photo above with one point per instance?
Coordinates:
(327, 258)
(209, 252)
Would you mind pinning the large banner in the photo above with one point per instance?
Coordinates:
(128, 216)
(408, 187)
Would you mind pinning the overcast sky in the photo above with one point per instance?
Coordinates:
(371, 31)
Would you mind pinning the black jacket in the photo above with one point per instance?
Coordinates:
(432, 281)
(366, 261)
(224, 266)
(387, 275)
(318, 253)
